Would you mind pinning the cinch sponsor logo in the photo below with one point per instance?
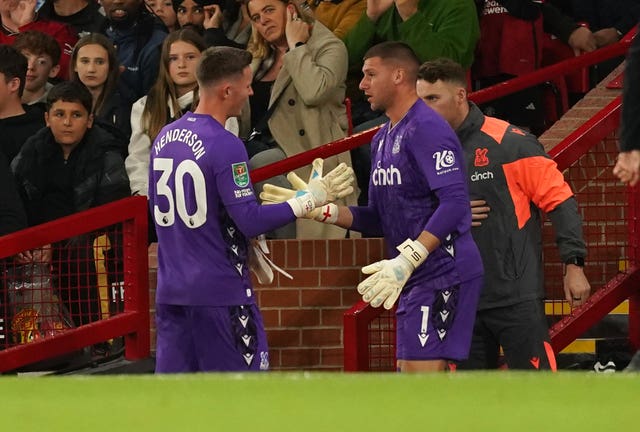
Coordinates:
(476, 176)
(386, 177)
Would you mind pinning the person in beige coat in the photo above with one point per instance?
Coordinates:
(300, 68)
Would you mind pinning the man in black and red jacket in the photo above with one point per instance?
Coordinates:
(511, 180)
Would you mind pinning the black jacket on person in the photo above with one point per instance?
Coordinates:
(86, 20)
(509, 169)
(51, 187)
(12, 216)
(138, 49)
(115, 117)
(15, 130)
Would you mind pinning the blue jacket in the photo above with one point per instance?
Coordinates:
(138, 49)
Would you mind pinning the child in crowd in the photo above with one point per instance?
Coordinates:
(163, 9)
(65, 168)
(173, 94)
(94, 63)
(43, 55)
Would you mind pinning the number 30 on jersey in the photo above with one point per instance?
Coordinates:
(178, 203)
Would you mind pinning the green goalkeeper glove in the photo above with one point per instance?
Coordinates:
(388, 277)
(335, 185)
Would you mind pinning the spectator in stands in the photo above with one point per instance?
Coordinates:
(82, 15)
(172, 95)
(190, 13)
(235, 24)
(65, 168)
(418, 199)
(438, 28)
(299, 89)
(12, 215)
(17, 122)
(20, 16)
(163, 9)
(43, 54)
(137, 36)
(513, 43)
(221, 22)
(608, 20)
(339, 16)
(511, 179)
(206, 315)
(94, 63)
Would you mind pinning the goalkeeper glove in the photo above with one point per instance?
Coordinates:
(388, 277)
(336, 184)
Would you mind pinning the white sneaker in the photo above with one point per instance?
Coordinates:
(610, 367)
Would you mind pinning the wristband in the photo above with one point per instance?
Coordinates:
(328, 214)
(576, 260)
(302, 203)
(413, 251)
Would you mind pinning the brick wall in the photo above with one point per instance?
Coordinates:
(601, 198)
(303, 316)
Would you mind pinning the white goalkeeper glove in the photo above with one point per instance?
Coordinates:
(388, 277)
(335, 185)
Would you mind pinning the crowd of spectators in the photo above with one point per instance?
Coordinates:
(307, 59)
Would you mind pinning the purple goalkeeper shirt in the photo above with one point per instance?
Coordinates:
(418, 184)
(205, 210)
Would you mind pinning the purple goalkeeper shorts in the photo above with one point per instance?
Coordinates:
(437, 324)
(210, 338)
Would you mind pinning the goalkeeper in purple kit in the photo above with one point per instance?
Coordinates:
(418, 200)
(205, 212)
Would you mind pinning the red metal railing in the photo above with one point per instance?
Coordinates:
(125, 220)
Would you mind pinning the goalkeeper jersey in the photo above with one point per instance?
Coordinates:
(204, 208)
(418, 183)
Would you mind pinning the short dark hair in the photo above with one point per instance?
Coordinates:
(443, 69)
(221, 62)
(38, 43)
(398, 52)
(70, 91)
(13, 65)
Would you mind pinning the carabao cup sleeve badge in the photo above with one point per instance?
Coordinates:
(240, 174)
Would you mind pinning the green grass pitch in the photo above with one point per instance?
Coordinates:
(497, 401)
